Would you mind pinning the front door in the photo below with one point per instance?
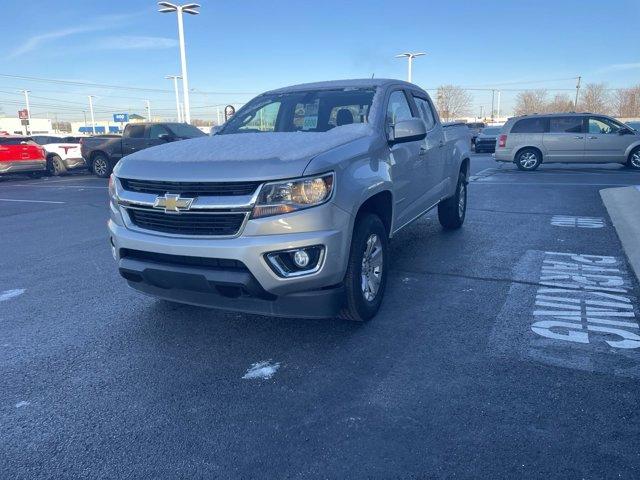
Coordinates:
(565, 140)
(604, 143)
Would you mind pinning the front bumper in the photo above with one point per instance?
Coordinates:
(13, 166)
(326, 225)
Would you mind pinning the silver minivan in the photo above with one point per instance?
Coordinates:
(530, 140)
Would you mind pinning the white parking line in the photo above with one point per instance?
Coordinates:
(577, 222)
(551, 184)
(27, 201)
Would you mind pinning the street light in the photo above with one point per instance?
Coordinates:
(93, 121)
(410, 56)
(175, 89)
(191, 9)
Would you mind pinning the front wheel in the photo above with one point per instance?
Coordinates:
(453, 210)
(528, 159)
(366, 276)
(101, 166)
(634, 159)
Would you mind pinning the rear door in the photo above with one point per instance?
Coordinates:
(565, 140)
(134, 138)
(604, 143)
(432, 154)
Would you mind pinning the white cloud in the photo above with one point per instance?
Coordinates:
(619, 67)
(127, 42)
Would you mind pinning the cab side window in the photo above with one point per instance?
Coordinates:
(424, 108)
(155, 131)
(135, 131)
(398, 108)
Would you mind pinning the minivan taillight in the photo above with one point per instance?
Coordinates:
(502, 141)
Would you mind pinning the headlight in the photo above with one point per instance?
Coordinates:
(291, 195)
(113, 196)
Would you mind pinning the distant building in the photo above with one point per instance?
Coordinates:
(13, 126)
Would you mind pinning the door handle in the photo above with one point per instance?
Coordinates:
(578, 137)
(593, 138)
(440, 144)
(423, 150)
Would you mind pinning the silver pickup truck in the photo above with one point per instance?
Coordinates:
(289, 208)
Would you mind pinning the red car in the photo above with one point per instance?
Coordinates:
(21, 154)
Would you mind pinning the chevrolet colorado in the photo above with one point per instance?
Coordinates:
(289, 208)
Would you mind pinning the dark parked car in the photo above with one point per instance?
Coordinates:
(103, 152)
(486, 141)
(474, 128)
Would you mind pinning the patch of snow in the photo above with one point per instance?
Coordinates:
(264, 146)
(22, 404)
(261, 370)
(9, 294)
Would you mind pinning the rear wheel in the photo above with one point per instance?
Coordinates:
(453, 210)
(101, 166)
(634, 159)
(55, 166)
(528, 159)
(366, 276)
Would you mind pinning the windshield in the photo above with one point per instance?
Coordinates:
(491, 130)
(306, 111)
(184, 130)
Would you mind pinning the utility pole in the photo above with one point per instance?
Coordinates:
(175, 89)
(191, 9)
(410, 56)
(498, 112)
(148, 111)
(93, 120)
(577, 92)
(26, 101)
(481, 112)
(493, 95)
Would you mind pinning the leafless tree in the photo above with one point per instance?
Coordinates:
(453, 102)
(595, 99)
(560, 103)
(626, 102)
(61, 127)
(531, 101)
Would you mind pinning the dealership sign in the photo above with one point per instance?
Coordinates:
(23, 114)
(121, 117)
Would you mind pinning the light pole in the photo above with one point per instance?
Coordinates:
(175, 89)
(26, 101)
(93, 121)
(410, 56)
(191, 9)
(575, 105)
(148, 111)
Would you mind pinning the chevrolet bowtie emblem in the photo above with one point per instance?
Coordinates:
(173, 203)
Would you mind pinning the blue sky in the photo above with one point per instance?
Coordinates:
(244, 47)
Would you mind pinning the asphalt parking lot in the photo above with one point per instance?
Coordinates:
(459, 376)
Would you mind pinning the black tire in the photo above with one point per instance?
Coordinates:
(358, 307)
(55, 166)
(528, 159)
(633, 161)
(453, 210)
(101, 166)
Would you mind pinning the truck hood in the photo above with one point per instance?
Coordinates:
(236, 157)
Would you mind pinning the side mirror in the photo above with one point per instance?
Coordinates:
(624, 131)
(407, 131)
(215, 130)
(166, 137)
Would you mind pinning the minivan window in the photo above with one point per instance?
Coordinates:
(602, 125)
(530, 125)
(565, 124)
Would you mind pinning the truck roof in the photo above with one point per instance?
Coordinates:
(336, 84)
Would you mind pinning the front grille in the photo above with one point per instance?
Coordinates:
(210, 224)
(183, 260)
(221, 189)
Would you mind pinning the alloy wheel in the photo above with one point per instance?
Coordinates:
(528, 159)
(635, 159)
(100, 166)
(371, 275)
(462, 200)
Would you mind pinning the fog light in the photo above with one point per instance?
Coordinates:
(297, 261)
(301, 258)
